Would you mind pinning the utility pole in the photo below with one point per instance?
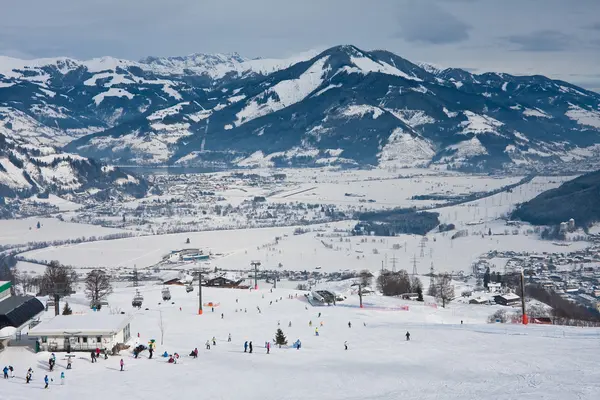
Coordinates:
(200, 291)
(422, 246)
(525, 320)
(255, 264)
(431, 275)
(414, 260)
(394, 259)
(360, 294)
(135, 277)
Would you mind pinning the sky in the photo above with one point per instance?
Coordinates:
(557, 38)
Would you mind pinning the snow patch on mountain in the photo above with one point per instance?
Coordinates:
(535, 112)
(112, 92)
(165, 112)
(450, 114)
(360, 110)
(477, 123)
(284, 93)
(405, 150)
(583, 116)
(113, 79)
(412, 118)
(367, 65)
(467, 149)
(320, 92)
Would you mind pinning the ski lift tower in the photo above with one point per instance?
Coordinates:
(199, 290)
(255, 264)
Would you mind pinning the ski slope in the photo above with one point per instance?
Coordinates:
(443, 360)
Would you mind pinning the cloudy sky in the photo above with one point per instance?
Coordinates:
(558, 38)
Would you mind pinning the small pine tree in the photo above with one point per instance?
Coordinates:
(280, 338)
(419, 293)
(67, 310)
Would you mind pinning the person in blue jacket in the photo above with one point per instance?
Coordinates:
(46, 382)
(5, 370)
(246, 346)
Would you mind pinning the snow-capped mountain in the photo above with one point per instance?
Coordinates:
(29, 169)
(341, 106)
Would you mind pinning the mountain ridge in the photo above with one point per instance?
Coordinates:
(343, 106)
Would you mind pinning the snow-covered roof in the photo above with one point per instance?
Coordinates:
(510, 296)
(87, 324)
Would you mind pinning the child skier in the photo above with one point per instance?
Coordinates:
(46, 382)
(122, 364)
(28, 376)
(345, 345)
(268, 347)
(5, 370)
(62, 378)
(214, 341)
(407, 336)
(208, 345)
(229, 338)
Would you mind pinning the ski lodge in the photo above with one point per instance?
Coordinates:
(82, 332)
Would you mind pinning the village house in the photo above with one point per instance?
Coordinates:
(508, 299)
(82, 332)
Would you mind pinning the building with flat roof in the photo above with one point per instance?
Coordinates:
(83, 332)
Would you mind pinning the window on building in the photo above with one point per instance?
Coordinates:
(84, 339)
(44, 339)
(99, 339)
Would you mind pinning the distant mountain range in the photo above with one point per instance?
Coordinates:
(343, 106)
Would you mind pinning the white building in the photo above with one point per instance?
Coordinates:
(82, 332)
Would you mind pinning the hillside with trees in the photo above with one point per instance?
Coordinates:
(578, 199)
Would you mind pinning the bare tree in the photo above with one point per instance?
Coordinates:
(366, 278)
(444, 289)
(97, 287)
(393, 283)
(58, 281)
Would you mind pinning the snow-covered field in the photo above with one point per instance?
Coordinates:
(326, 247)
(21, 231)
(443, 359)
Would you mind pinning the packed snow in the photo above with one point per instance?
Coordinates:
(443, 359)
(367, 65)
(477, 123)
(583, 116)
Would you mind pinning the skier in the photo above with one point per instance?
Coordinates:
(245, 310)
(345, 345)
(268, 347)
(407, 336)
(349, 324)
(278, 323)
(93, 354)
(46, 382)
(222, 315)
(68, 362)
(122, 364)
(208, 345)
(309, 323)
(316, 331)
(12, 371)
(461, 322)
(245, 346)
(212, 309)
(290, 324)
(62, 378)
(5, 370)
(229, 338)
(196, 352)
(97, 352)
(28, 376)
(214, 341)
(250, 346)
(319, 315)
(150, 350)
